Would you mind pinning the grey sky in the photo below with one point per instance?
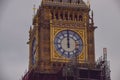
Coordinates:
(16, 17)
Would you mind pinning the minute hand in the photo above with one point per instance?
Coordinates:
(68, 40)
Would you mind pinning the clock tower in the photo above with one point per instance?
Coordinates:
(62, 39)
(61, 31)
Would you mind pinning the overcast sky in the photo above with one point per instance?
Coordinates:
(16, 18)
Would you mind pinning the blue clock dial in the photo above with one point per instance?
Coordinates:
(68, 43)
(33, 50)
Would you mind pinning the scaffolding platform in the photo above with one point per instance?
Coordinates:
(69, 72)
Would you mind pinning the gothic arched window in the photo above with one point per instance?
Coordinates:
(78, 1)
(60, 0)
(71, 17)
(66, 16)
(61, 15)
(56, 15)
(69, 1)
(80, 17)
(75, 17)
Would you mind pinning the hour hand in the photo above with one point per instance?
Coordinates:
(68, 43)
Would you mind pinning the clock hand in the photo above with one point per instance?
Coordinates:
(68, 40)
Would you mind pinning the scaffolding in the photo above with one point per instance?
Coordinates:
(99, 71)
(76, 71)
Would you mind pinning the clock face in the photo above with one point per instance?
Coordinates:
(68, 43)
(33, 50)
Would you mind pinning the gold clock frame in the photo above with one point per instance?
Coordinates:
(55, 56)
